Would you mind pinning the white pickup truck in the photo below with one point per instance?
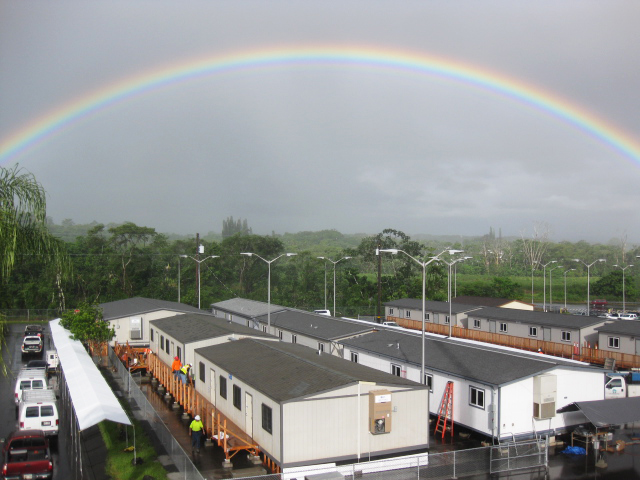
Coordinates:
(622, 384)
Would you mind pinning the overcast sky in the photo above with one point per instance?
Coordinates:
(293, 146)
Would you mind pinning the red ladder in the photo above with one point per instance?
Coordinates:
(446, 411)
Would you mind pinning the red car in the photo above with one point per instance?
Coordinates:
(26, 456)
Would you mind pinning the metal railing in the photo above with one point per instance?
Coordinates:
(143, 410)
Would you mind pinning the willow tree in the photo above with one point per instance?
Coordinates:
(23, 229)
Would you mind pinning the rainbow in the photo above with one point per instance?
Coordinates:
(64, 116)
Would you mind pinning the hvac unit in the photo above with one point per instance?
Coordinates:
(544, 396)
(135, 328)
(379, 411)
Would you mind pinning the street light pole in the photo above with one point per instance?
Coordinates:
(268, 262)
(334, 281)
(551, 286)
(394, 251)
(565, 287)
(544, 283)
(199, 262)
(589, 280)
(623, 299)
(450, 264)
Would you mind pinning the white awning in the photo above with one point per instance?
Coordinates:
(92, 398)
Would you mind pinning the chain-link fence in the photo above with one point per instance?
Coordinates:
(144, 411)
(30, 314)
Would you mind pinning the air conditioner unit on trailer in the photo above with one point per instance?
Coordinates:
(544, 396)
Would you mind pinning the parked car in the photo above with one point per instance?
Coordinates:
(37, 330)
(612, 316)
(38, 410)
(390, 324)
(32, 345)
(629, 316)
(29, 379)
(40, 364)
(323, 312)
(26, 455)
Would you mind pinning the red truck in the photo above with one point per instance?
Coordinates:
(26, 456)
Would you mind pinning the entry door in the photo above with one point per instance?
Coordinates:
(546, 334)
(492, 326)
(637, 346)
(248, 414)
(212, 387)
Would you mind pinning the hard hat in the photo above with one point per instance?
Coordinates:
(176, 358)
(197, 417)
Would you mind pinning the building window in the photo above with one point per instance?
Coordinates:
(320, 347)
(237, 397)
(264, 328)
(476, 323)
(396, 370)
(476, 397)
(613, 342)
(179, 352)
(223, 387)
(151, 335)
(161, 342)
(428, 381)
(503, 327)
(566, 336)
(201, 368)
(426, 316)
(447, 320)
(267, 418)
(354, 357)
(408, 314)
(533, 331)
(166, 344)
(248, 323)
(294, 338)
(391, 311)
(280, 334)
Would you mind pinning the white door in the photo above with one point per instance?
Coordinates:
(248, 414)
(212, 387)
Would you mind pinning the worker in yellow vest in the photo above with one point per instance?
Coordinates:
(184, 373)
(196, 429)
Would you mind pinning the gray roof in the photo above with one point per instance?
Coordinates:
(431, 305)
(246, 308)
(286, 371)
(474, 361)
(139, 305)
(624, 327)
(528, 317)
(603, 413)
(194, 327)
(314, 325)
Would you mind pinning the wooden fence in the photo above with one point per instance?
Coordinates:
(585, 352)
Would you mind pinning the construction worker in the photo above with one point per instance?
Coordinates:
(196, 430)
(184, 373)
(176, 366)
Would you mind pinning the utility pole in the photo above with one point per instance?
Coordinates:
(378, 313)
(197, 261)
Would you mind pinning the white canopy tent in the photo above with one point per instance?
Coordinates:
(92, 398)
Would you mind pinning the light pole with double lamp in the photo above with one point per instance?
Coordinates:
(565, 286)
(450, 264)
(334, 282)
(268, 262)
(589, 280)
(544, 284)
(551, 285)
(623, 296)
(198, 273)
(394, 251)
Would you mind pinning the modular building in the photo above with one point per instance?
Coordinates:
(130, 317)
(180, 336)
(497, 391)
(410, 309)
(304, 407)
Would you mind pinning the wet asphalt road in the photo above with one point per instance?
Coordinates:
(12, 357)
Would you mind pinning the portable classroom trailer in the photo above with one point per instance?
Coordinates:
(497, 391)
(180, 336)
(130, 317)
(303, 407)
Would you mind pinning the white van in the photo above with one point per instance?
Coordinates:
(52, 361)
(29, 379)
(38, 411)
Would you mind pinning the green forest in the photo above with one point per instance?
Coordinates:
(111, 262)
